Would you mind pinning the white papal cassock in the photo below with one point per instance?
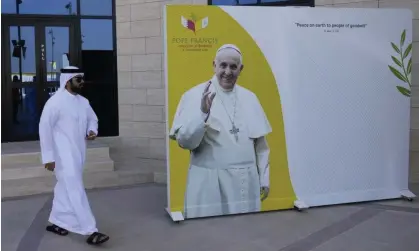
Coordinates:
(225, 175)
(65, 122)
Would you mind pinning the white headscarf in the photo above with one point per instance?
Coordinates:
(68, 73)
(231, 47)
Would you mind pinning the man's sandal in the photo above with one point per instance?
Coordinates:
(57, 230)
(97, 238)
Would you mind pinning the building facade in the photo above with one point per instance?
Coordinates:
(119, 44)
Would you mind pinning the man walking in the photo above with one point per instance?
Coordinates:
(67, 120)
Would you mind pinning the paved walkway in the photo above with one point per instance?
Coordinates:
(135, 219)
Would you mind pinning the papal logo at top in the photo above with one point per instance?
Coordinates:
(192, 23)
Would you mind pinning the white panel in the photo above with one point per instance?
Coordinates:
(347, 126)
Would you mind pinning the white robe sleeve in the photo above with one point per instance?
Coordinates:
(262, 160)
(92, 120)
(189, 125)
(46, 128)
(191, 133)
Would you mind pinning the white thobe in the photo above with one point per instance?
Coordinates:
(66, 120)
(225, 175)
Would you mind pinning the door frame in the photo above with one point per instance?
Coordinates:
(39, 23)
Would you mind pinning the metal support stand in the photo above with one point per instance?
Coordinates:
(407, 195)
(176, 216)
(300, 205)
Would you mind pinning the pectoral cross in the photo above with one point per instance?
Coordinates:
(234, 130)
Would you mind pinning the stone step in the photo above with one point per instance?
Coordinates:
(30, 155)
(17, 171)
(92, 179)
(23, 173)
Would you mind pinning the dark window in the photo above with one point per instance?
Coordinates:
(76, 32)
(96, 7)
(99, 66)
(97, 50)
(263, 2)
(97, 34)
(273, 1)
(41, 7)
(57, 47)
(233, 2)
(23, 60)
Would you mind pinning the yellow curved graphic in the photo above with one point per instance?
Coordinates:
(194, 33)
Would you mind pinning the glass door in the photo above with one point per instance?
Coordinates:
(56, 49)
(33, 52)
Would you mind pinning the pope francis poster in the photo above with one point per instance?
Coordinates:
(264, 118)
(222, 120)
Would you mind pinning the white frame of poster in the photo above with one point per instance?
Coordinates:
(177, 216)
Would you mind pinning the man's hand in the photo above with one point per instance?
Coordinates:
(206, 101)
(264, 192)
(91, 135)
(50, 166)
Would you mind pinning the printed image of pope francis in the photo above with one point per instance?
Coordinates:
(223, 125)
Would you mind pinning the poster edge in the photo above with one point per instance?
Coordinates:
(166, 107)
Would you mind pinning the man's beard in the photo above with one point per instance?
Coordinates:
(75, 89)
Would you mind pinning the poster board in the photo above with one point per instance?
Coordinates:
(334, 85)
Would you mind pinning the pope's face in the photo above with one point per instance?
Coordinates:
(227, 67)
